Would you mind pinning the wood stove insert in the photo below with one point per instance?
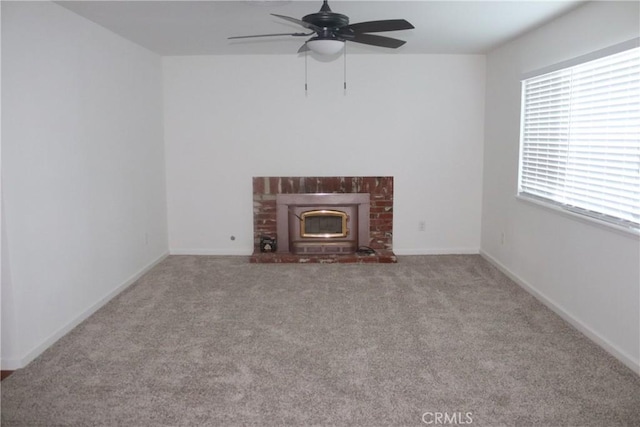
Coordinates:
(322, 223)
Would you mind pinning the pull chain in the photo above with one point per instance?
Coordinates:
(345, 68)
(305, 73)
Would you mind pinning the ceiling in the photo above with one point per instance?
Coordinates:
(202, 27)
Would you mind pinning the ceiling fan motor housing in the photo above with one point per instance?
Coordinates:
(329, 22)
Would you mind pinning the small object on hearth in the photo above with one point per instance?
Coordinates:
(267, 244)
(365, 250)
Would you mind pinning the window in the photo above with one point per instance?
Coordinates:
(580, 137)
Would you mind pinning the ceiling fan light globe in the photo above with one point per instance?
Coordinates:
(325, 47)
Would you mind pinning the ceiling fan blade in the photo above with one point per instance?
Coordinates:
(271, 35)
(374, 40)
(379, 26)
(299, 22)
(304, 48)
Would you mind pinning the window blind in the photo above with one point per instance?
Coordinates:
(580, 141)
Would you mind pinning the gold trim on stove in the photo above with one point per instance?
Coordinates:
(324, 212)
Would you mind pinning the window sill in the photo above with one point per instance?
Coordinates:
(629, 232)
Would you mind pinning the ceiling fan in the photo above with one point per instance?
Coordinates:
(332, 30)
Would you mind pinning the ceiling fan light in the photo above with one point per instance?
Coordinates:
(325, 47)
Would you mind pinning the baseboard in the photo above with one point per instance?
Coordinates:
(13, 364)
(249, 252)
(5, 374)
(217, 252)
(437, 251)
(610, 348)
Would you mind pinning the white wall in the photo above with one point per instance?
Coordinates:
(417, 118)
(83, 172)
(587, 273)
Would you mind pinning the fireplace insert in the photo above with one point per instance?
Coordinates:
(322, 223)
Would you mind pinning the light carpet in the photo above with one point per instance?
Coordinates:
(216, 341)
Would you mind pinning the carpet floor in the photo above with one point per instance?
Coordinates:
(215, 341)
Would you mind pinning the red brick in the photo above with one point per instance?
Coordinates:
(262, 216)
(376, 197)
(386, 216)
(258, 185)
(381, 202)
(332, 185)
(380, 210)
(270, 185)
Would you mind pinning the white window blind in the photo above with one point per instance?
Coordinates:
(580, 142)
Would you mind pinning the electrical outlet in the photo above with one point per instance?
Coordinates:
(502, 238)
(422, 225)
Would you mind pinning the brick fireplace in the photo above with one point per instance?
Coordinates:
(267, 190)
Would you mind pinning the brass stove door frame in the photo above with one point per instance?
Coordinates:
(324, 212)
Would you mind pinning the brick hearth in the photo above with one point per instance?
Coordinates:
(381, 256)
(380, 190)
